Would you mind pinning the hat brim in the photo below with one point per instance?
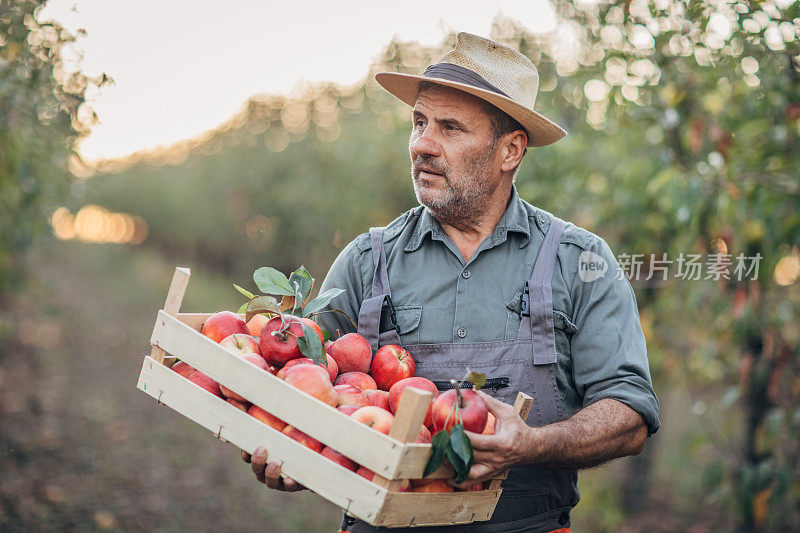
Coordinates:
(541, 131)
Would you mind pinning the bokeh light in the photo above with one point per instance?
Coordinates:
(787, 271)
(96, 224)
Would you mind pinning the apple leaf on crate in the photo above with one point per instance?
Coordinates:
(247, 294)
(477, 379)
(462, 450)
(311, 347)
(301, 281)
(272, 281)
(439, 444)
(261, 304)
(321, 301)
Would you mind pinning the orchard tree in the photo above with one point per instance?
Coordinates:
(43, 112)
(696, 111)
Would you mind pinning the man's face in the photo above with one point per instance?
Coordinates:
(454, 161)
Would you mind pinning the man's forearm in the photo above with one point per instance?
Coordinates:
(600, 432)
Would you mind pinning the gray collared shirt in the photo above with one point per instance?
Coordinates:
(442, 299)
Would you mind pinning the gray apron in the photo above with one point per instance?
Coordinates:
(534, 499)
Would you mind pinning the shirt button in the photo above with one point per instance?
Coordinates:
(466, 274)
(462, 332)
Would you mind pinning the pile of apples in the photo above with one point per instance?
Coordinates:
(364, 386)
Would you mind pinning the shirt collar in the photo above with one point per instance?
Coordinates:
(515, 219)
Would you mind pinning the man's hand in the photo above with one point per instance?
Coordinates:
(605, 430)
(510, 445)
(269, 474)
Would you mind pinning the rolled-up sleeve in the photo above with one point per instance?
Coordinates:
(609, 355)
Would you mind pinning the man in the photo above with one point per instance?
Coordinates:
(476, 277)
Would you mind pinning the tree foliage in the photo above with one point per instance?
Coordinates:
(42, 114)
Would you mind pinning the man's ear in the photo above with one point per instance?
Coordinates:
(514, 144)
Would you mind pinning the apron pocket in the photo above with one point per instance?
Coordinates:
(408, 319)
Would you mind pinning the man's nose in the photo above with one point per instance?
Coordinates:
(425, 144)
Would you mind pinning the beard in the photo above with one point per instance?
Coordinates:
(466, 194)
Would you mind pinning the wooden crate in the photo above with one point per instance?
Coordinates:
(394, 457)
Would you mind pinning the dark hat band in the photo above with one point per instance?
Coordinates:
(450, 72)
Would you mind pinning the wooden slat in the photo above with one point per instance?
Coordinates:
(367, 447)
(407, 422)
(194, 320)
(421, 509)
(522, 405)
(173, 303)
(330, 480)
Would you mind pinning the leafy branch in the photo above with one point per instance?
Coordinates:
(295, 292)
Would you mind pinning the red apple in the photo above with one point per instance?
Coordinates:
(365, 472)
(198, 378)
(424, 435)
(418, 383)
(256, 324)
(350, 395)
(378, 397)
(279, 339)
(308, 322)
(490, 421)
(220, 325)
(368, 474)
(332, 368)
(375, 417)
(348, 409)
(359, 379)
(254, 359)
(303, 438)
(352, 353)
(390, 364)
(272, 421)
(474, 412)
(431, 485)
(240, 343)
(314, 380)
(337, 457)
(183, 369)
(244, 406)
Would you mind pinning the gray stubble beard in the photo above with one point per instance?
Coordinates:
(464, 207)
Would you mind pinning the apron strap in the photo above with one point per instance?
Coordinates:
(380, 282)
(539, 325)
(369, 316)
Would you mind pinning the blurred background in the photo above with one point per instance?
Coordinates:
(684, 122)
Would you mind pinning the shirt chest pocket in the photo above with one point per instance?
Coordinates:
(408, 320)
(563, 326)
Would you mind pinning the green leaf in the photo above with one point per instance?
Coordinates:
(262, 305)
(477, 379)
(271, 281)
(247, 294)
(321, 301)
(243, 309)
(439, 444)
(326, 334)
(462, 447)
(311, 347)
(458, 465)
(301, 281)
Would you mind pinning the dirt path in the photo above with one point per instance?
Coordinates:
(81, 448)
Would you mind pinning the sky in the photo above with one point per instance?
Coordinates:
(182, 67)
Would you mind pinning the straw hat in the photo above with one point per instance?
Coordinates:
(503, 77)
